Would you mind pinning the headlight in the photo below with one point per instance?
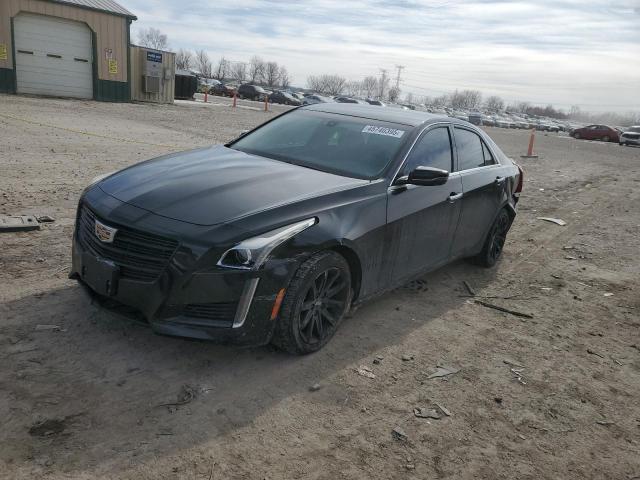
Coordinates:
(251, 254)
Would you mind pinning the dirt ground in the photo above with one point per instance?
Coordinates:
(555, 396)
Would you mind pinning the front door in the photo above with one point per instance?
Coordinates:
(421, 220)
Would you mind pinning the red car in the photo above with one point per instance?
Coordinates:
(597, 132)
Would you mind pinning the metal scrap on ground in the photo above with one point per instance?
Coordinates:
(557, 221)
(18, 223)
(443, 371)
(502, 309)
(365, 372)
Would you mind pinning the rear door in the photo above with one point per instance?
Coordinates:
(484, 183)
(421, 220)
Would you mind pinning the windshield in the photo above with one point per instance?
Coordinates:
(349, 146)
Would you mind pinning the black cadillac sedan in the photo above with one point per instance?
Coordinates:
(274, 236)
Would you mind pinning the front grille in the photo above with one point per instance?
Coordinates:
(212, 311)
(140, 256)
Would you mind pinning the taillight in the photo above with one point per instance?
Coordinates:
(520, 179)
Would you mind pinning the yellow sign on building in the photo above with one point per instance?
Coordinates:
(113, 66)
(3, 51)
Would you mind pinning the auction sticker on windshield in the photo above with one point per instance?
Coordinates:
(390, 132)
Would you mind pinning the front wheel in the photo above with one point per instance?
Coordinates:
(494, 242)
(605, 138)
(318, 298)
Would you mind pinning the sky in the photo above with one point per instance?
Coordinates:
(584, 53)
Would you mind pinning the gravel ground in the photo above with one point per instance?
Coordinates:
(551, 397)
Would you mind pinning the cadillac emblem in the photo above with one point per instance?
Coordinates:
(105, 234)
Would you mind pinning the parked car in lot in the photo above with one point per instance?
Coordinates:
(251, 92)
(347, 100)
(284, 98)
(312, 99)
(596, 132)
(223, 90)
(276, 235)
(630, 136)
(377, 103)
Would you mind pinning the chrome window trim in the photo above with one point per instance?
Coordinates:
(424, 129)
(246, 299)
(485, 143)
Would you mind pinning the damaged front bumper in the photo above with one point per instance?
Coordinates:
(171, 281)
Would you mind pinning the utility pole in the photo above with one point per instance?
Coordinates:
(383, 82)
(400, 68)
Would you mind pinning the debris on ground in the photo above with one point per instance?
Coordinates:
(557, 221)
(18, 223)
(502, 309)
(444, 410)
(45, 219)
(40, 328)
(605, 422)
(186, 395)
(513, 363)
(50, 426)
(592, 352)
(378, 359)
(443, 371)
(517, 372)
(608, 294)
(421, 412)
(365, 372)
(315, 387)
(407, 358)
(469, 288)
(399, 434)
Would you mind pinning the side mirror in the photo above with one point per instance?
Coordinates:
(427, 176)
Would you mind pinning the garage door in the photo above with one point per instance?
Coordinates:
(53, 56)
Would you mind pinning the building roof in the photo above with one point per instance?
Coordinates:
(108, 6)
(385, 114)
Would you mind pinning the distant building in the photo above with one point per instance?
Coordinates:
(66, 48)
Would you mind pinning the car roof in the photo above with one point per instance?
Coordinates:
(412, 118)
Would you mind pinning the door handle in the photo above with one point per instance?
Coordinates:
(455, 196)
(499, 180)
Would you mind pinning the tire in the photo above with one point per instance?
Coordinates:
(308, 316)
(605, 138)
(494, 243)
(577, 136)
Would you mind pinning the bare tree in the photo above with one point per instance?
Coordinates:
(153, 38)
(327, 84)
(394, 94)
(441, 101)
(369, 86)
(256, 69)
(353, 88)
(184, 59)
(239, 71)
(285, 81)
(467, 99)
(409, 98)
(222, 69)
(494, 103)
(271, 73)
(203, 64)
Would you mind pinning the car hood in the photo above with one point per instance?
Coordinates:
(218, 185)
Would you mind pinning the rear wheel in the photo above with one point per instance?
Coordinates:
(494, 242)
(316, 301)
(576, 136)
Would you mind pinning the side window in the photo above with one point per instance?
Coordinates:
(470, 151)
(433, 149)
(488, 158)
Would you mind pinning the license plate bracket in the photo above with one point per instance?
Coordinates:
(100, 274)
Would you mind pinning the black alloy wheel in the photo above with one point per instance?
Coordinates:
(323, 305)
(494, 243)
(316, 302)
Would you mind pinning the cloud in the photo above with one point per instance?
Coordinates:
(550, 51)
